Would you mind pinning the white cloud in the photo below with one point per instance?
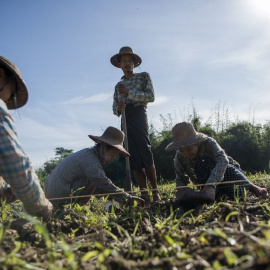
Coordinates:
(159, 100)
(87, 100)
(260, 8)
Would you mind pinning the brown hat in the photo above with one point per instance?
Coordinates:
(184, 134)
(126, 51)
(22, 93)
(113, 137)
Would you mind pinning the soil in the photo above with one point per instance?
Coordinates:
(224, 235)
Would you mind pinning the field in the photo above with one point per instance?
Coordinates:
(224, 235)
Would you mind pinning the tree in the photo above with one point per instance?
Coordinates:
(44, 171)
(242, 141)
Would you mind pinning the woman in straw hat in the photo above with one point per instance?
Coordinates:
(200, 158)
(132, 94)
(81, 173)
(15, 168)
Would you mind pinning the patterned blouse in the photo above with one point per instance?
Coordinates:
(141, 91)
(184, 167)
(16, 169)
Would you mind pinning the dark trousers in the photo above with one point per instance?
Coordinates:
(138, 138)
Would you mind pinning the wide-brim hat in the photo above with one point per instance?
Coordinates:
(113, 137)
(184, 134)
(115, 60)
(21, 93)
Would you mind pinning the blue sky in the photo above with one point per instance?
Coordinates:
(201, 53)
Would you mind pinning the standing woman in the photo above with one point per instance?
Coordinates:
(132, 94)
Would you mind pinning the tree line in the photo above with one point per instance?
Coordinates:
(246, 142)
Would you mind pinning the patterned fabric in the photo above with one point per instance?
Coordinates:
(139, 146)
(141, 91)
(185, 167)
(203, 168)
(16, 170)
(76, 172)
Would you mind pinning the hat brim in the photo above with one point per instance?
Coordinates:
(200, 137)
(22, 93)
(115, 62)
(123, 151)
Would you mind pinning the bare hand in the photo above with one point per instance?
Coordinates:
(122, 89)
(184, 193)
(209, 192)
(47, 215)
(7, 195)
(137, 199)
(121, 106)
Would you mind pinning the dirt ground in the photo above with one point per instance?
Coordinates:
(225, 235)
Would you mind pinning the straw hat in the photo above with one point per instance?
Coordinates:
(126, 51)
(22, 93)
(113, 137)
(184, 134)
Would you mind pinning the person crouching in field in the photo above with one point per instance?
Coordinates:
(18, 179)
(200, 158)
(81, 173)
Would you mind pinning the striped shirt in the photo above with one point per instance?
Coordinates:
(184, 167)
(78, 170)
(16, 169)
(140, 91)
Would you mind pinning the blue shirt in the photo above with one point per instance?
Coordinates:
(16, 169)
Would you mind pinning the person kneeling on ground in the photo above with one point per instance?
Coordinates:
(81, 173)
(15, 167)
(200, 158)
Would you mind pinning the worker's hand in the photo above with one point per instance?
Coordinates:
(139, 200)
(121, 106)
(46, 212)
(122, 89)
(184, 192)
(7, 195)
(193, 198)
(209, 192)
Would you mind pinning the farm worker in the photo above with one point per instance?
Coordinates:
(81, 173)
(132, 94)
(15, 167)
(200, 158)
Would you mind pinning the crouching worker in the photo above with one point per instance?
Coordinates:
(81, 173)
(17, 177)
(200, 158)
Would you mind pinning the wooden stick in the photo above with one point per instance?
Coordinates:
(128, 182)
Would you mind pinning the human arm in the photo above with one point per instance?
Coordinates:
(220, 158)
(16, 170)
(182, 179)
(105, 186)
(118, 104)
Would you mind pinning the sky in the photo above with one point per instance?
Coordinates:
(211, 55)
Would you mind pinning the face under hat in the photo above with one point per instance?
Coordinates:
(113, 137)
(115, 60)
(184, 134)
(20, 97)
